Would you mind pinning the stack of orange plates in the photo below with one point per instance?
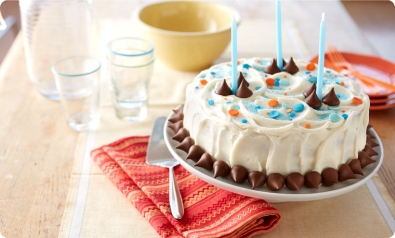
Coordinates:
(380, 98)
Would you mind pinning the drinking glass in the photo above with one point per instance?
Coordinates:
(130, 63)
(78, 83)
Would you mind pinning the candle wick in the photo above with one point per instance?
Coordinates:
(323, 16)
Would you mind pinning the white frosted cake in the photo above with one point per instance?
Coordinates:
(275, 123)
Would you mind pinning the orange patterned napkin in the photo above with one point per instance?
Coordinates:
(209, 211)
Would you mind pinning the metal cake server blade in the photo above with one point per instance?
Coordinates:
(159, 155)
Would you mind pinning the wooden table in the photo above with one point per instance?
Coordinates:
(37, 147)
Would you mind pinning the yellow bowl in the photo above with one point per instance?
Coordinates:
(188, 35)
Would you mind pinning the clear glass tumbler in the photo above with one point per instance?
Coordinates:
(53, 30)
(130, 62)
(78, 82)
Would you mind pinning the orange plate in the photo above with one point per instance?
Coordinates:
(383, 106)
(372, 66)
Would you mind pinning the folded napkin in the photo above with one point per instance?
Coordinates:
(209, 211)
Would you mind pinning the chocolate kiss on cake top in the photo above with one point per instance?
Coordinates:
(186, 144)
(310, 90)
(272, 68)
(312, 179)
(243, 91)
(256, 179)
(223, 89)
(371, 142)
(355, 166)
(291, 67)
(294, 181)
(181, 135)
(313, 101)
(369, 150)
(176, 126)
(195, 152)
(176, 117)
(364, 158)
(221, 169)
(242, 79)
(345, 173)
(331, 99)
(205, 162)
(329, 177)
(238, 173)
(275, 181)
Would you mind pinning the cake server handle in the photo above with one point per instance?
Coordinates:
(176, 204)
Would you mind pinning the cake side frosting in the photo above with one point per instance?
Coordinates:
(274, 130)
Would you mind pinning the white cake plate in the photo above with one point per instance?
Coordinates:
(284, 194)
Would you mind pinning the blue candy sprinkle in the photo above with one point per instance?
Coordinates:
(307, 72)
(299, 107)
(338, 95)
(313, 79)
(237, 107)
(334, 117)
(345, 116)
(292, 114)
(197, 87)
(243, 120)
(284, 82)
(276, 83)
(333, 108)
(277, 79)
(202, 76)
(246, 66)
(212, 73)
(258, 87)
(210, 102)
(228, 102)
(258, 107)
(338, 83)
(274, 114)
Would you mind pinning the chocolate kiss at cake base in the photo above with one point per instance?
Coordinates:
(205, 162)
(329, 177)
(176, 126)
(310, 90)
(181, 135)
(369, 150)
(242, 79)
(291, 67)
(345, 173)
(371, 142)
(272, 68)
(238, 173)
(195, 152)
(256, 179)
(177, 117)
(186, 144)
(364, 158)
(243, 91)
(275, 181)
(221, 169)
(313, 101)
(355, 166)
(179, 109)
(294, 181)
(331, 99)
(312, 179)
(223, 89)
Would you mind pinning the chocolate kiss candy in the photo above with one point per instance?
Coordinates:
(256, 179)
(221, 169)
(369, 150)
(243, 91)
(177, 117)
(331, 99)
(291, 67)
(355, 166)
(312, 179)
(205, 162)
(310, 90)
(368, 127)
(364, 159)
(238, 173)
(313, 101)
(195, 152)
(181, 135)
(345, 173)
(329, 177)
(370, 134)
(179, 109)
(186, 144)
(176, 126)
(272, 68)
(371, 142)
(223, 89)
(275, 181)
(242, 79)
(294, 181)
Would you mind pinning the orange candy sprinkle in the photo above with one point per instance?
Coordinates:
(308, 126)
(357, 100)
(238, 62)
(233, 112)
(273, 103)
(310, 66)
(289, 110)
(343, 110)
(270, 81)
(285, 94)
(203, 82)
(267, 113)
(342, 84)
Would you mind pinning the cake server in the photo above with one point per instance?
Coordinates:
(159, 155)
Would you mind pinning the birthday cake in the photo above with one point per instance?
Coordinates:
(275, 129)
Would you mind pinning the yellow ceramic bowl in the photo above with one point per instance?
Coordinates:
(188, 35)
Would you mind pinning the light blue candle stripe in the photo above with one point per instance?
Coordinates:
(321, 57)
(279, 37)
(234, 55)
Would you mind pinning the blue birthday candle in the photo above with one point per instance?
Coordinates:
(321, 57)
(279, 38)
(234, 55)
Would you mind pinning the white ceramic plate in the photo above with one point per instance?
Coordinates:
(284, 194)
